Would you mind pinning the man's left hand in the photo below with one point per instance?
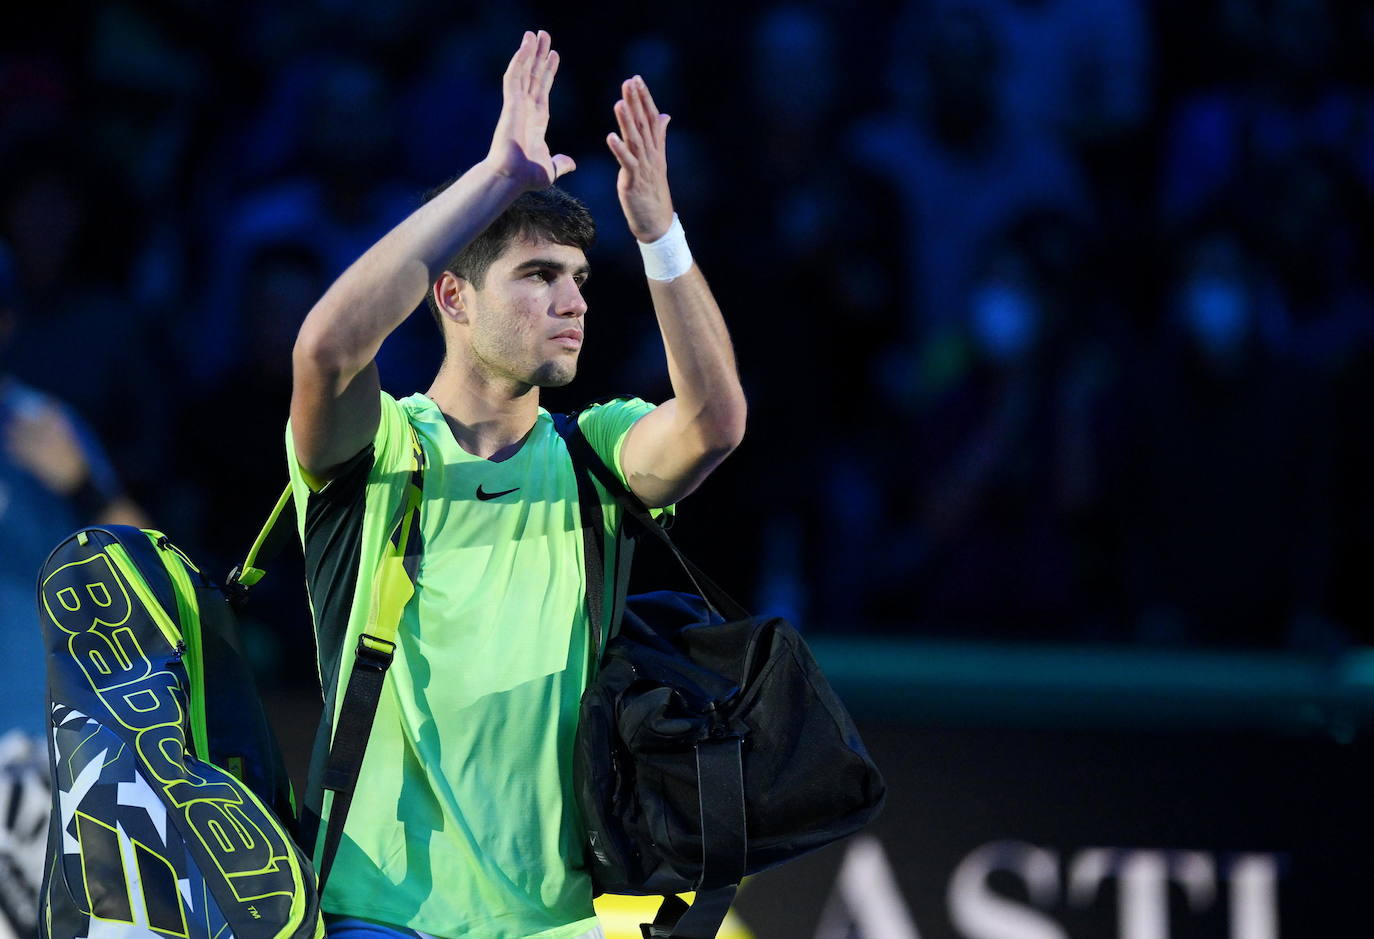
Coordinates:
(640, 149)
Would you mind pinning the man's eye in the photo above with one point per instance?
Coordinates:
(541, 276)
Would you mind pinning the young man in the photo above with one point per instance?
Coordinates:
(464, 822)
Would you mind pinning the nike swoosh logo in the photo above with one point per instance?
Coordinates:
(485, 496)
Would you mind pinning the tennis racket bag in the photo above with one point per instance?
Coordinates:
(171, 808)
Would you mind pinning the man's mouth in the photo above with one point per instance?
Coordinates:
(569, 339)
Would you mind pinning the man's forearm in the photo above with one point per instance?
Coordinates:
(379, 290)
(706, 418)
(701, 361)
(335, 388)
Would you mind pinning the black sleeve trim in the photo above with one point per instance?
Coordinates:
(333, 548)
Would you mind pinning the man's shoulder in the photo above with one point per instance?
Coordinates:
(612, 408)
(404, 422)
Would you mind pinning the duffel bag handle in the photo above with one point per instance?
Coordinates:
(720, 792)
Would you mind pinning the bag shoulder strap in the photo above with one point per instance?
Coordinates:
(593, 534)
(720, 768)
(270, 541)
(585, 459)
(393, 586)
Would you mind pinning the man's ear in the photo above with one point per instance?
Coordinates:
(453, 296)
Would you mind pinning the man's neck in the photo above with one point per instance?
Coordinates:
(490, 418)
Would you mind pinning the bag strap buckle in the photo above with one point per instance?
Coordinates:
(375, 653)
(235, 590)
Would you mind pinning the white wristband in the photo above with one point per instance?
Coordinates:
(668, 257)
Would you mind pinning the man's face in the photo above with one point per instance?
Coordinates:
(526, 322)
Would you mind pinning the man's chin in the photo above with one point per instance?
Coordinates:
(555, 375)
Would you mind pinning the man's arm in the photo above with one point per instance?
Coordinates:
(672, 449)
(335, 394)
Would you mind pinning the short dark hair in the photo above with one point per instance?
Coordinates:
(543, 214)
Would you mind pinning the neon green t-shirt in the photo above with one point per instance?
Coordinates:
(464, 821)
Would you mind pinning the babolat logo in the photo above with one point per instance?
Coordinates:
(96, 607)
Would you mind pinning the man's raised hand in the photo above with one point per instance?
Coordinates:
(518, 149)
(640, 147)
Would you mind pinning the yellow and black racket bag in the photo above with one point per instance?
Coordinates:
(172, 814)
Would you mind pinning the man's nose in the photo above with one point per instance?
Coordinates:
(571, 302)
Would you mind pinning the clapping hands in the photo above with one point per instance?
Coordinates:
(518, 149)
(641, 150)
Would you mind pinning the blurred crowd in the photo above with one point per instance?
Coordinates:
(1056, 316)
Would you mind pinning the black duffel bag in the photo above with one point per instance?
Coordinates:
(710, 746)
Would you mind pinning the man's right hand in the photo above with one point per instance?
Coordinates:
(335, 389)
(518, 149)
